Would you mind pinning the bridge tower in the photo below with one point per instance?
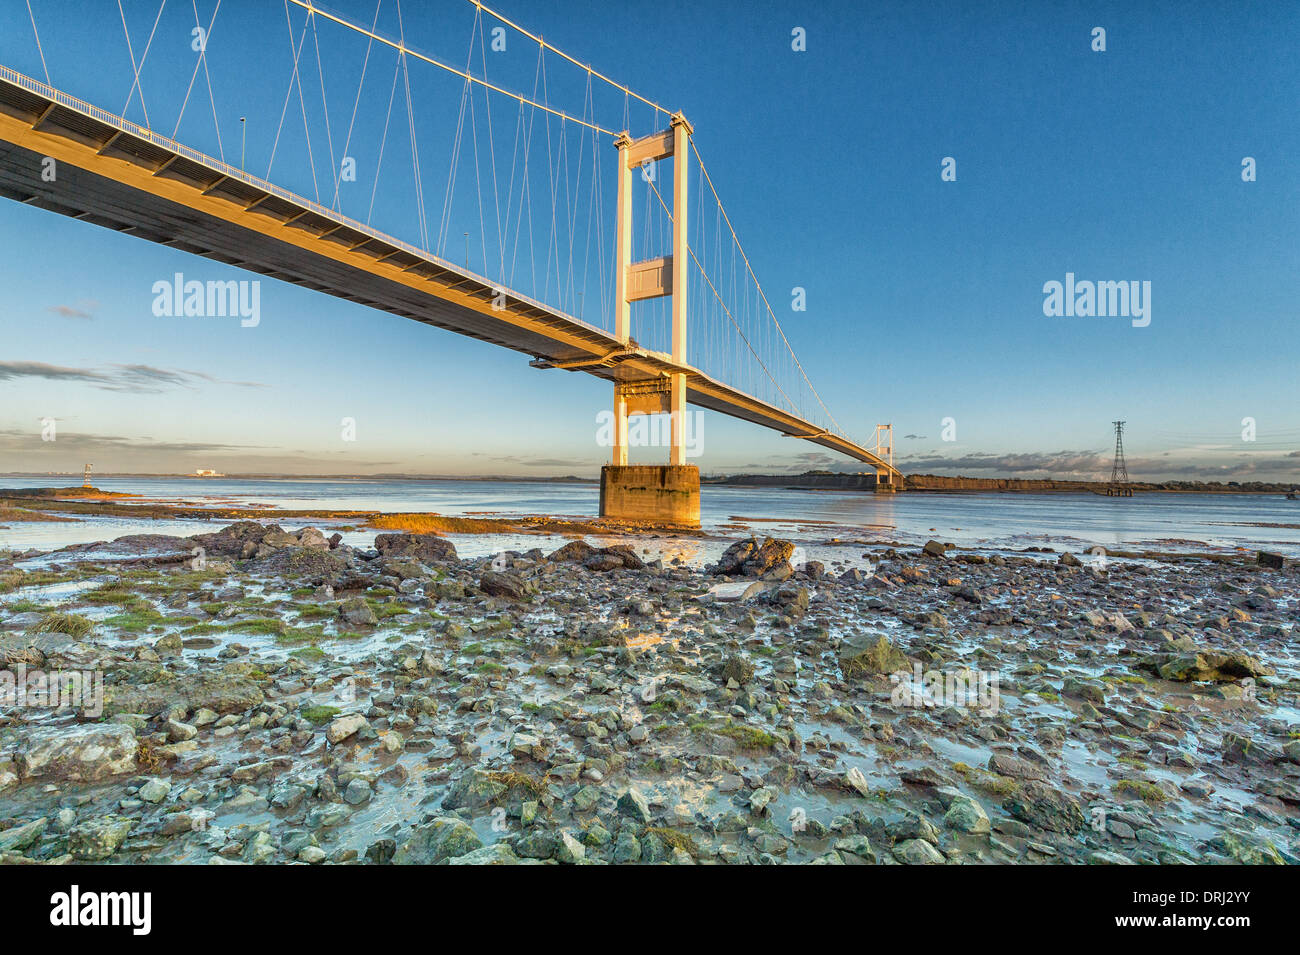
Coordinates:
(662, 494)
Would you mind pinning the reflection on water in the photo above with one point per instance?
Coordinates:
(989, 520)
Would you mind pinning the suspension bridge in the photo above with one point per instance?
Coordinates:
(669, 262)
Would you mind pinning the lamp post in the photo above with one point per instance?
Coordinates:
(243, 139)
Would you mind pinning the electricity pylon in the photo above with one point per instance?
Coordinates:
(1119, 483)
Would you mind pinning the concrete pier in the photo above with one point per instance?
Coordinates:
(664, 494)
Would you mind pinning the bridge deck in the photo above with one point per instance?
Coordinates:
(122, 176)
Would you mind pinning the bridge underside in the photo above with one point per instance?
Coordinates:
(115, 174)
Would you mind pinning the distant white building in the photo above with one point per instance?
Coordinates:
(207, 472)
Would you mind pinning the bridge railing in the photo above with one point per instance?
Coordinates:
(231, 172)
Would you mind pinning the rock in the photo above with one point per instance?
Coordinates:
(344, 726)
(933, 548)
(1069, 560)
(428, 548)
(627, 848)
(1266, 559)
(1102, 857)
(20, 837)
(633, 805)
(737, 668)
(504, 584)
(404, 570)
(1083, 690)
(381, 851)
(312, 855)
(569, 850)
(870, 653)
(293, 563)
(154, 790)
(967, 815)
(178, 732)
(238, 540)
(576, 551)
(474, 790)
(1205, 666)
(261, 848)
(168, 646)
(858, 845)
(226, 691)
(626, 554)
(99, 838)
(499, 853)
(918, 852)
(1248, 848)
(86, 752)
(356, 612)
(1005, 764)
(603, 562)
(1046, 807)
(791, 597)
(443, 838)
(358, 791)
(538, 844)
(926, 777)
(854, 780)
(749, 558)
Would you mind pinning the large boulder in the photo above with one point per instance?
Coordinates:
(749, 558)
(575, 551)
(871, 653)
(97, 839)
(308, 537)
(357, 613)
(1205, 666)
(934, 548)
(429, 548)
(1046, 807)
(301, 563)
(222, 692)
(597, 558)
(474, 790)
(507, 585)
(443, 838)
(86, 752)
(238, 540)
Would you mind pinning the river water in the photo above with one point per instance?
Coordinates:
(989, 521)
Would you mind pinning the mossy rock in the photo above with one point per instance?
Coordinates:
(871, 654)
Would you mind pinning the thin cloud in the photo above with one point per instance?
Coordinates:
(134, 378)
(83, 310)
(14, 440)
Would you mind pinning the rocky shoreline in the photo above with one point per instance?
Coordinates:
(268, 696)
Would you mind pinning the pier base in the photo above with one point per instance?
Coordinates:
(664, 494)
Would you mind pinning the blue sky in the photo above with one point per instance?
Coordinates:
(924, 297)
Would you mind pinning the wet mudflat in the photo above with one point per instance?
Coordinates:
(285, 696)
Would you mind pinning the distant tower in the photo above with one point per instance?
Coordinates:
(1119, 483)
(85, 481)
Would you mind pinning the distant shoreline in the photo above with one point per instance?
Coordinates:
(807, 481)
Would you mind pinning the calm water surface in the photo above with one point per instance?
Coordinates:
(985, 520)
